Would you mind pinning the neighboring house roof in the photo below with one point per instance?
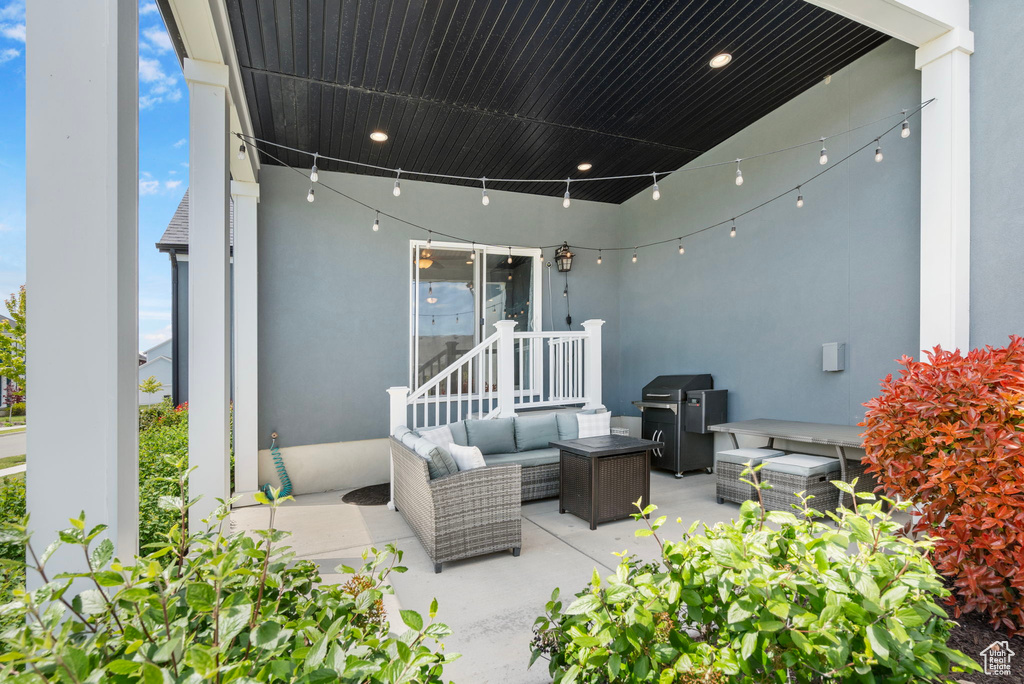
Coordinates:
(176, 234)
(157, 360)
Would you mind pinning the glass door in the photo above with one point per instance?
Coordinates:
(459, 292)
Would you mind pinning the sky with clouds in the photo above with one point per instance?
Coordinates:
(163, 160)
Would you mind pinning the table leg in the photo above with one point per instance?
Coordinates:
(735, 443)
(593, 492)
(841, 453)
(647, 485)
(561, 479)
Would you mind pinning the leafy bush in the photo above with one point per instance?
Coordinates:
(210, 607)
(158, 474)
(12, 510)
(16, 409)
(745, 602)
(164, 413)
(948, 435)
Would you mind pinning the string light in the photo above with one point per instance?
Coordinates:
(431, 320)
(241, 150)
(799, 198)
(634, 255)
(376, 223)
(739, 173)
(656, 195)
(398, 184)
(309, 195)
(598, 257)
(472, 255)
(905, 128)
(314, 175)
(823, 157)
(565, 197)
(484, 199)
(878, 151)
(431, 299)
(430, 235)
(565, 292)
(682, 250)
(510, 255)
(732, 231)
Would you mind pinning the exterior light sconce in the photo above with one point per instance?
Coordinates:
(563, 257)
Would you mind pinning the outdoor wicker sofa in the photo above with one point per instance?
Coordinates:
(457, 516)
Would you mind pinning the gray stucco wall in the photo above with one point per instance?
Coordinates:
(997, 204)
(334, 295)
(754, 311)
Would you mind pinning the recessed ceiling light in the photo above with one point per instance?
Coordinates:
(378, 136)
(585, 166)
(720, 60)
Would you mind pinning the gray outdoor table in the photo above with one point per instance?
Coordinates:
(841, 437)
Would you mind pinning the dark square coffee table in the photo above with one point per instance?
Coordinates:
(600, 478)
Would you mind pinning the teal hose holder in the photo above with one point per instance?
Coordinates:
(282, 472)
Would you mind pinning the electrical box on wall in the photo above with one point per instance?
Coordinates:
(833, 356)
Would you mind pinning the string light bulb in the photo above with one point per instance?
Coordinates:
(799, 198)
(905, 128)
(656, 195)
(431, 320)
(510, 255)
(309, 195)
(878, 150)
(430, 239)
(565, 197)
(484, 199)
(398, 184)
(431, 299)
(376, 223)
(598, 257)
(739, 173)
(634, 255)
(732, 231)
(314, 174)
(472, 255)
(823, 157)
(565, 292)
(241, 150)
(682, 250)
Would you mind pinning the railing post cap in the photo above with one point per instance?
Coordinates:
(593, 323)
(506, 324)
(392, 390)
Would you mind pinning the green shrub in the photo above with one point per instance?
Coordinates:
(211, 607)
(12, 511)
(158, 475)
(16, 409)
(746, 602)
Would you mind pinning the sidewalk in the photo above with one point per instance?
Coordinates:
(13, 470)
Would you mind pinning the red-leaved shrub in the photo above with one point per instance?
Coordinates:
(948, 435)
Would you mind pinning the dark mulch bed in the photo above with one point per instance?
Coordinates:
(972, 635)
(374, 495)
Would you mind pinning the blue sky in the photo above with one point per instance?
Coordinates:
(163, 160)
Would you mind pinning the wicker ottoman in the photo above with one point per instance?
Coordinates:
(729, 467)
(793, 473)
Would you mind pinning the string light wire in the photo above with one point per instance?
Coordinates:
(430, 232)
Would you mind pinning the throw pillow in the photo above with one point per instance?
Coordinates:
(441, 436)
(535, 432)
(458, 429)
(467, 457)
(595, 424)
(495, 436)
(568, 428)
(439, 460)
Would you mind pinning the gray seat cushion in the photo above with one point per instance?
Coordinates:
(802, 464)
(495, 436)
(458, 429)
(568, 426)
(535, 432)
(526, 459)
(742, 456)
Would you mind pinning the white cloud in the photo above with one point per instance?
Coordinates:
(161, 86)
(155, 338)
(155, 38)
(181, 143)
(9, 54)
(172, 184)
(147, 8)
(148, 187)
(150, 71)
(13, 11)
(13, 31)
(154, 314)
(4, 227)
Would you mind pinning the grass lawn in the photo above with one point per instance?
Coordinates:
(11, 430)
(13, 420)
(11, 461)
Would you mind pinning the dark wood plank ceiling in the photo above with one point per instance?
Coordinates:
(528, 88)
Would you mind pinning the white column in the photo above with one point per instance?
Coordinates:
(245, 197)
(397, 397)
(82, 180)
(506, 369)
(946, 191)
(592, 364)
(208, 305)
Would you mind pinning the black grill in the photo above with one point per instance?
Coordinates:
(678, 410)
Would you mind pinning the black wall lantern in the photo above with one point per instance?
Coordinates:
(563, 257)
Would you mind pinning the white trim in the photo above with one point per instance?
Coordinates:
(246, 338)
(154, 360)
(207, 73)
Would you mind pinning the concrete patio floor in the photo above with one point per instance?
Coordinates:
(490, 602)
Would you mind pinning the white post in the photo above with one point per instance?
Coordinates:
(245, 197)
(398, 416)
(209, 381)
(82, 248)
(506, 369)
(592, 364)
(946, 191)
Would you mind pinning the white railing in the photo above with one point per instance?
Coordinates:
(507, 371)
